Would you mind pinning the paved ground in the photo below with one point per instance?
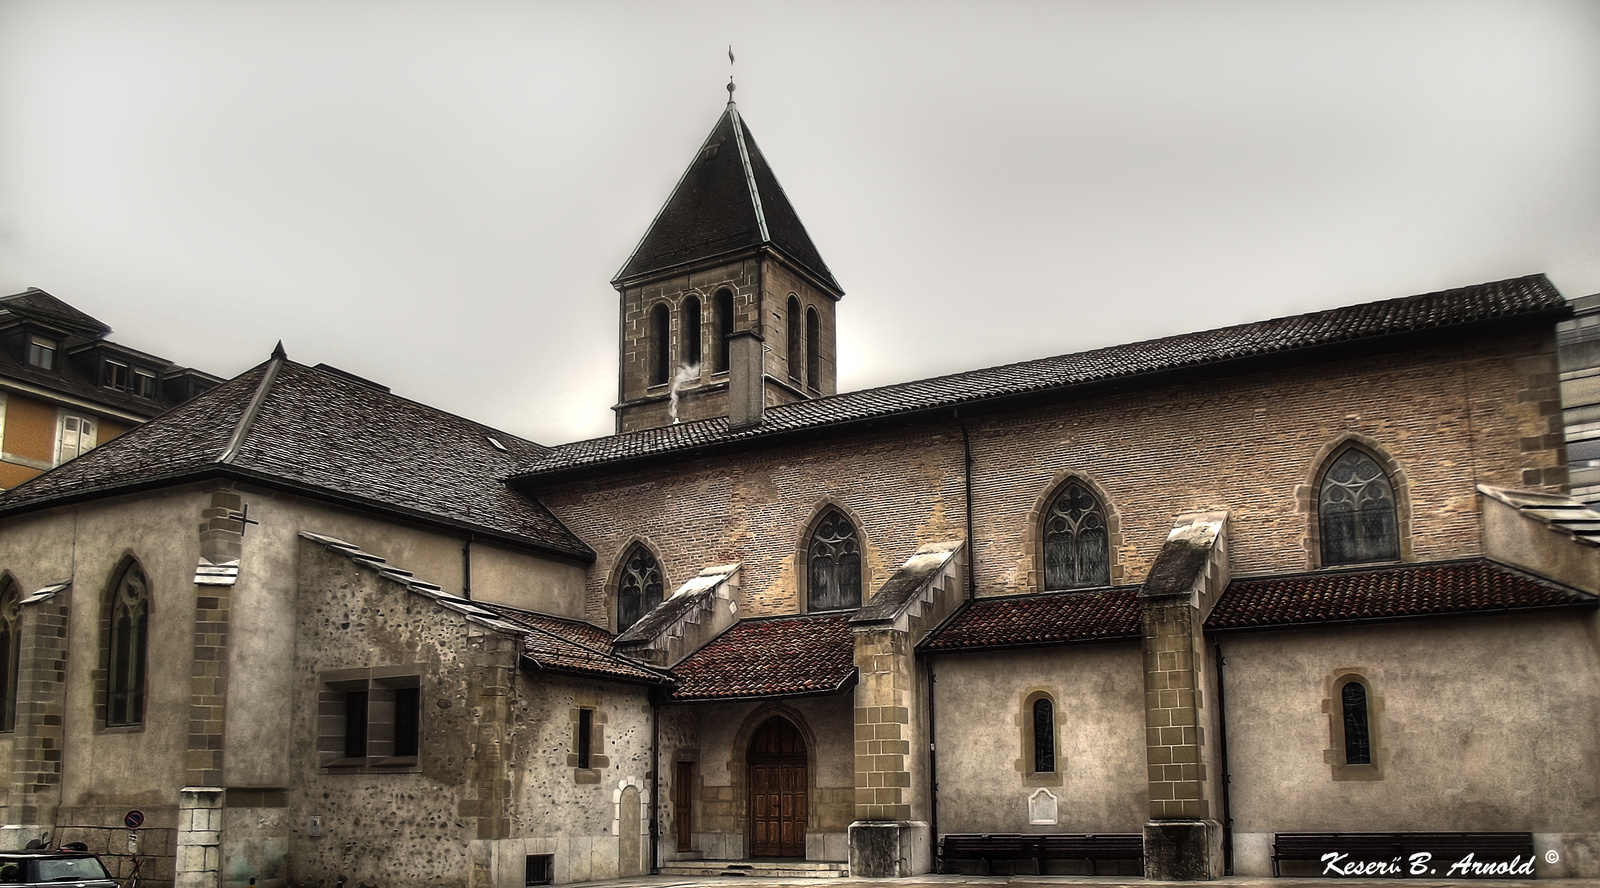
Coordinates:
(1076, 882)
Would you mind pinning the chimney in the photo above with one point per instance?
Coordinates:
(747, 396)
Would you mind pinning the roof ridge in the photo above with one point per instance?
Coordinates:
(248, 417)
(749, 173)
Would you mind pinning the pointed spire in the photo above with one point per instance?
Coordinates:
(278, 354)
(726, 203)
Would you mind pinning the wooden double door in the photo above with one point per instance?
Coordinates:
(778, 781)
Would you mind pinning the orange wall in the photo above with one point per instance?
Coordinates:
(30, 428)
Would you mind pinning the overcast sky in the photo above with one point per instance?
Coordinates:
(435, 195)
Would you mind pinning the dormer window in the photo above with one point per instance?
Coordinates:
(41, 352)
(116, 375)
(144, 384)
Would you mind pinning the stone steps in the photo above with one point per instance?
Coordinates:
(787, 869)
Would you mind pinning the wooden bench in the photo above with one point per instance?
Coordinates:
(1390, 853)
(1038, 848)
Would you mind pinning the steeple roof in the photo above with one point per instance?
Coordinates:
(728, 201)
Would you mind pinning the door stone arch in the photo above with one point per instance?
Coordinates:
(778, 780)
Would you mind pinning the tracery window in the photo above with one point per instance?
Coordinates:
(1077, 543)
(1357, 730)
(125, 669)
(10, 661)
(639, 587)
(1356, 511)
(833, 564)
(1044, 736)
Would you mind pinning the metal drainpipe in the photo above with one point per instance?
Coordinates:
(1227, 778)
(966, 451)
(466, 569)
(655, 781)
(933, 771)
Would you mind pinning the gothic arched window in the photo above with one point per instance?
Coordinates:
(724, 326)
(813, 350)
(833, 564)
(1077, 543)
(660, 344)
(639, 587)
(126, 647)
(691, 331)
(1044, 736)
(1356, 513)
(1357, 727)
(10, 661)
(796, 338)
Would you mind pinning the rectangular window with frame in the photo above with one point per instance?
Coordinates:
(75, 435)
(585, 738)
(144, 384)
(370, 719)
(42, 352)
(116, 375)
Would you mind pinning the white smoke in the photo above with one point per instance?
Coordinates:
(686, 374)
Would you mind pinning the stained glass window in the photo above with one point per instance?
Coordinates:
(130, 618)
(1356, 511)
(1357, 737)
(1044, 736)
(1077, 549)
(639, 590)
(834, 564)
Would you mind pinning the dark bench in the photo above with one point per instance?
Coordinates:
(1039, 848)
(1390, 854)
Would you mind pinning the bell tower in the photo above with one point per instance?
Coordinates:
(726, 307)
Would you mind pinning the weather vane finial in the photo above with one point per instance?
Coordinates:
(731, 87)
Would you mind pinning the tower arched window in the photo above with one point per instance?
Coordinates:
(833, 564)
(691, 331)
(1044, 736)
(813, 350)
(1356, 511)
(1077, 542)
(638, 588)
(724, 327)
(1357, 724)
(10, 643)
(660, 344)
(796, 339)
(127, 650)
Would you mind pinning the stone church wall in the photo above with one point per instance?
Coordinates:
(1449, 417)
(983, 730)
(1474, 727)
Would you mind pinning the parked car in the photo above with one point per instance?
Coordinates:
(58, 869)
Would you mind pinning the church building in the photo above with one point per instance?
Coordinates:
(1223, 602)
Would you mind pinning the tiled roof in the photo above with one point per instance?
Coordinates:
(1050, 618)
(1530, 297)
(573, 646)
(324, 434)
(775, 657)
(34, 301)
(727, 201)
(1415, 590)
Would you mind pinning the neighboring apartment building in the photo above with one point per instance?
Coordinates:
(65, 388)
(1579, 340)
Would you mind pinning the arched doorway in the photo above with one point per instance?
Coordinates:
(777, 790)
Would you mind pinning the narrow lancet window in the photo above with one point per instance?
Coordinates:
(796, 338)
(125, 674)
(1044, 736)
(10, 659)
(691, 331)
(813, 350)
(724, 326)
(660, 344)
(1077, 551)
(1357, 733)
(1356, 511)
